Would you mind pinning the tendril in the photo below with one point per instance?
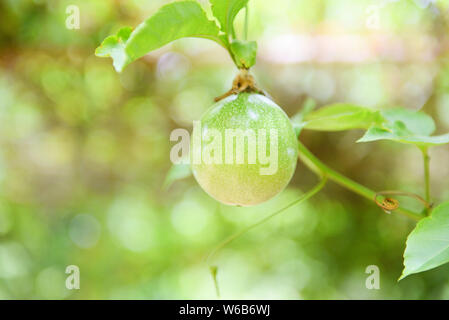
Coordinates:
(214, 269)
(390, 204)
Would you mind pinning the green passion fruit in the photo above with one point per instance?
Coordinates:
(260, 170)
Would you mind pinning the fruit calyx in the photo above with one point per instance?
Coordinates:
(243, 82)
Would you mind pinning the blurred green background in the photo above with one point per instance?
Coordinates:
(84, 152)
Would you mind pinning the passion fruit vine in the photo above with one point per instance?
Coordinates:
(245, 107)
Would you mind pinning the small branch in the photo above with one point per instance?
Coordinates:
(320, 168)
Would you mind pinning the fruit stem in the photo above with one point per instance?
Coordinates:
(244, 81)
(314, 164)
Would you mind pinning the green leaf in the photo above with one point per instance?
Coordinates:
(342, 116)
(114, 47)
(225, 11)
(405, 126)
(244, 53)
(376, 133)
(176, 172)
(428, 244)
(416, 122)
(171, 22)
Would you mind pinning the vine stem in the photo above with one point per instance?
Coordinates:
(302, 198)
(426, 160)
(314, 164)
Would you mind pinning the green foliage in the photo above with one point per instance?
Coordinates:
(341, 116)
(180, 20)
(399, 133)
(115, 47)
(417, 122)
(173, 21)
(398, 124)
(225, 11)
(428, 244)
(405, 126)
(244, 53)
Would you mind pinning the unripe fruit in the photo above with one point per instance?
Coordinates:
(242, 183)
